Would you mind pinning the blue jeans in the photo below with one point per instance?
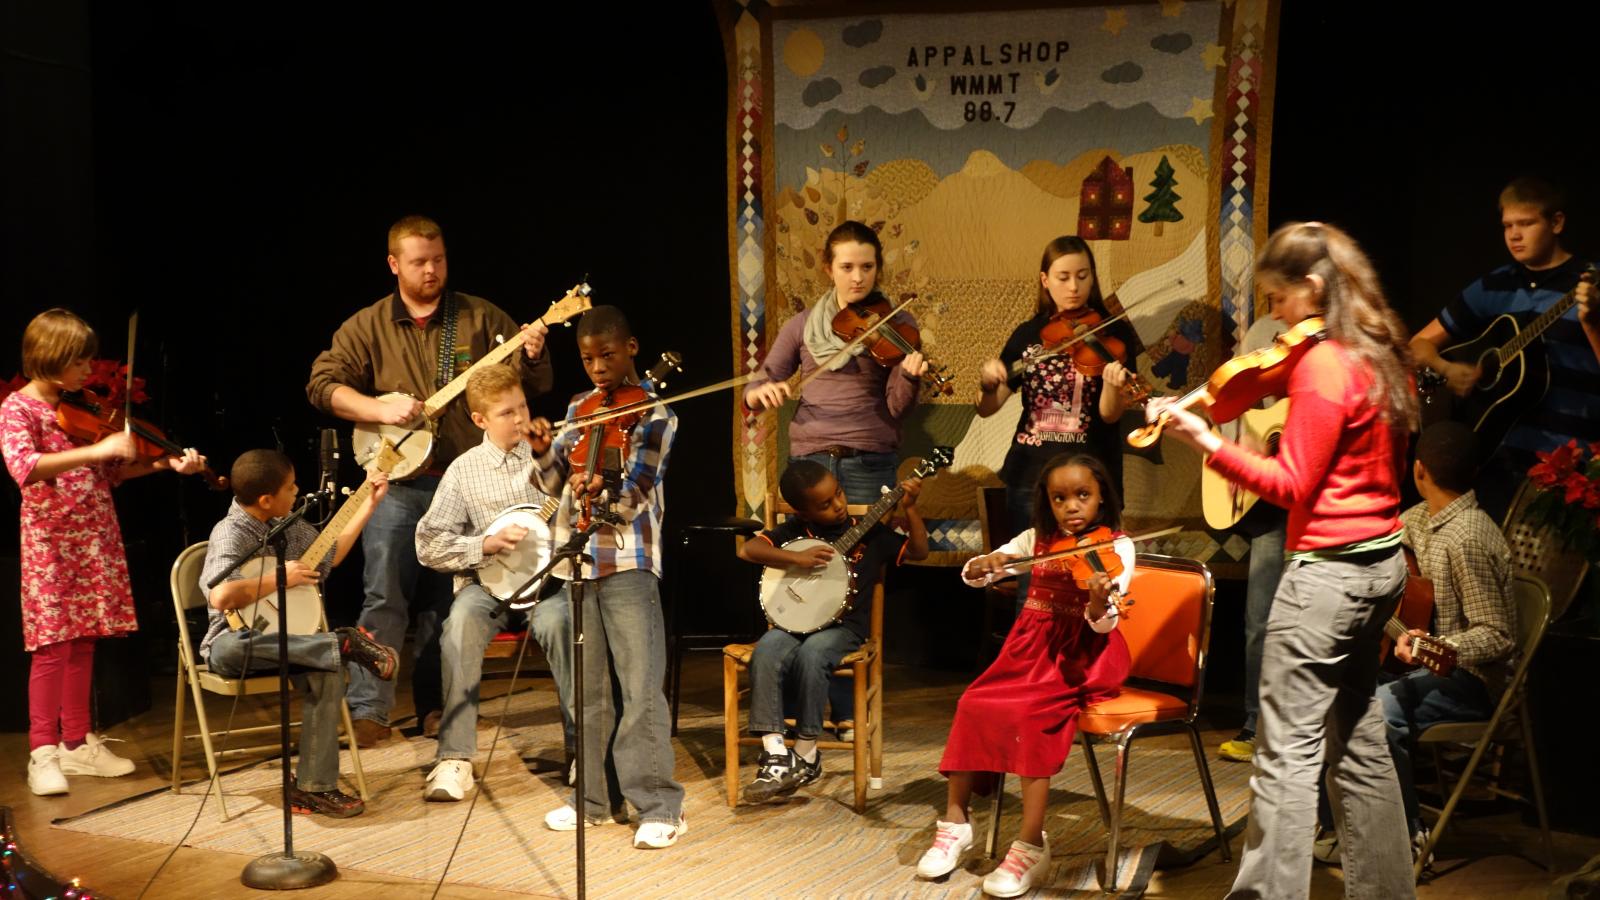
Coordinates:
(323, 688)
(1418, 700)
(1318, 672)
(863, 478)
(797, 667)
(467, 633)
(1266, 568)
(397, 586)
(627, 728)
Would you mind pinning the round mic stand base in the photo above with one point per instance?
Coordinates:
(276, 872)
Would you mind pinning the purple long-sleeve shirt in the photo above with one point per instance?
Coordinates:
(858, 406)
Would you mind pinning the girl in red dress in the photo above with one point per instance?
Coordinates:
(1062, 654)
(74, 571)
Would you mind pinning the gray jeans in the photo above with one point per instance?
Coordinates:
(1318, 674)
(467, 632)
(627, 729)
(323, 687)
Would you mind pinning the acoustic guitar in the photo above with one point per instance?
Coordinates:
(1515, 374)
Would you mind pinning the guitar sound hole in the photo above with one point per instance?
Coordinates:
(1490, 364)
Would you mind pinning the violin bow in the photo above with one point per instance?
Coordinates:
(566, 425)
(1028, 562)
(127, 395)
(854, 343)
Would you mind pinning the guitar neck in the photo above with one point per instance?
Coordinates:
(1394, 628)
(1537, 327)
(323, 545)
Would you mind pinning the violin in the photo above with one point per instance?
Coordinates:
(1091, 352)
(1097, 556)
(80, 415)
(892, 342)
(613, 433)
(1240, 383)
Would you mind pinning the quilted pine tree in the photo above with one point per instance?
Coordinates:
(1163, 200)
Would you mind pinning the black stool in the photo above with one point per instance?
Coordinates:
(748, 617)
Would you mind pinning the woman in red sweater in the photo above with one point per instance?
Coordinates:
(1338, 473)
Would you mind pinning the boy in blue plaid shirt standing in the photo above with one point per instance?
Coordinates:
(624, 631)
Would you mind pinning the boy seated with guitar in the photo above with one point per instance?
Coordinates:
(1461, 551)
(798, 666)
(453, 536)
(241, 637)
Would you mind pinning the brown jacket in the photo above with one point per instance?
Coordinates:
(380, 349)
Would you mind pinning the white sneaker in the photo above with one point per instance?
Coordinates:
(44, 771)
(950, 840)
(449, 781)
(660, 835)
(1024, 868)
(565, 818)
(93, 757)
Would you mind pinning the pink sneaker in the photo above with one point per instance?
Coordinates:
(1024, 868)
(950, 840)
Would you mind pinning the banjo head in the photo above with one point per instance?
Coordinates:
(415, 451)
(803, 601)
(304, 602)
(504, 573)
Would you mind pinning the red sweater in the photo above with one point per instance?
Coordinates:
(1339, 462)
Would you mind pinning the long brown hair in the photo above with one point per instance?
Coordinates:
(1066, 245)
(1357, 315)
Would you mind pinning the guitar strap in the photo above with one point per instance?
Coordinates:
(445, 370)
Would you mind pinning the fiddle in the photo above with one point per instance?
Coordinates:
(1097, 556)
(612, 433)
(1098, 543)
(80, 415)
(1091, 352)
(892, 342)
(1241, 382)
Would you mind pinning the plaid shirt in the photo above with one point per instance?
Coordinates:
(475, 489)
(237, 538)
(641, 503)
(1466, 557)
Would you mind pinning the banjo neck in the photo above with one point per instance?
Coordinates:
(871, 517)
(575, 302)
(938, 459)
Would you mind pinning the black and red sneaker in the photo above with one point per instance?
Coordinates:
(358, 646)
(334, 804)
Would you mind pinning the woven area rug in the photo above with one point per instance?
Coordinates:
(813, 846)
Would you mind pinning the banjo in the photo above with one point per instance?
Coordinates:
(505, 575)
(414, 458)
(303, 603)
(807, 600)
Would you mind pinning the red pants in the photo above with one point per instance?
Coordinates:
(58, 693)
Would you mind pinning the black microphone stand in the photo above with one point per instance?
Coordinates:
(288, 870)
(574, 550)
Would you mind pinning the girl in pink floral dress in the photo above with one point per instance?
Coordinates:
(74, 571)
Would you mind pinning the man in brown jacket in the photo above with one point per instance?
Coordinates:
(394, 345)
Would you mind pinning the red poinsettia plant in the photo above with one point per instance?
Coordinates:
(107, 381)
(1568, 481)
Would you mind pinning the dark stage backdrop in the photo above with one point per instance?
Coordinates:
(233, 178)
